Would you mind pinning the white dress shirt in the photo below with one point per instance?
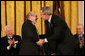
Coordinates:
(49, 22)
(50, 19)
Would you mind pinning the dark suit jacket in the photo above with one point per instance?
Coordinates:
(78, 50)
(29, 39)
(12, 51)
(60, 38)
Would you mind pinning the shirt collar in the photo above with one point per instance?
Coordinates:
(9, 37)
(50, 19)
(31, 22)
(80, 35)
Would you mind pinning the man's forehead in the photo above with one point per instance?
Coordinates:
(8, 28)
(79, 26)
(32, 13)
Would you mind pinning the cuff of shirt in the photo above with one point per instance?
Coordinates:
(8, 48)
(14, 46)
(46, 40)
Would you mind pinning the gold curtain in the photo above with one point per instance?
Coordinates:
(13, 13)
(70, 10)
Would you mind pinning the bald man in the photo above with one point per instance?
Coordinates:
(31, 43)
(79, 36)
(10, 44)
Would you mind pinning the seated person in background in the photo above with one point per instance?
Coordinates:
(79, 36)
(10, 44)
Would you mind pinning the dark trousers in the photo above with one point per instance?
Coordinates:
(46, 49)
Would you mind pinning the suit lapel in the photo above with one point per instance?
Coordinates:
(6, 40)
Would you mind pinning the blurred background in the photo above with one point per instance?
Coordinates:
(14, 13)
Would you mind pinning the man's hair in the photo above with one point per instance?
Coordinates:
(81, 25)
(7, 26)
(46, 10)
(31, 13)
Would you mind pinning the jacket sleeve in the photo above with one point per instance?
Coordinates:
(18, 45)
(3, 46)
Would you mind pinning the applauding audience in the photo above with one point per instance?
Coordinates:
(10, 44)
(80, 40)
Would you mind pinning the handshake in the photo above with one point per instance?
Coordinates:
(40, 42)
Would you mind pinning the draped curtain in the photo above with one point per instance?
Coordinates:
(69, 11)
(13, 13)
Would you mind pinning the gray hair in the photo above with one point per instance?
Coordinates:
(81, 25)
(31, 13)
(46, 10)
(6, 27)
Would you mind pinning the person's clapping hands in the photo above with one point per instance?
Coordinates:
(11, 42)
(82, 42)
(40, 42)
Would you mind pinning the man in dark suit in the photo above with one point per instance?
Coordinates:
(79, 36)
(31, 44)
(59, 40)
(10, 44)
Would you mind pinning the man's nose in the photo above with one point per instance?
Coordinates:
(10, 32)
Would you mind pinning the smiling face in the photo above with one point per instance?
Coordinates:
(79, 29)
(45, 12)
(33, 16)
(9, 31)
